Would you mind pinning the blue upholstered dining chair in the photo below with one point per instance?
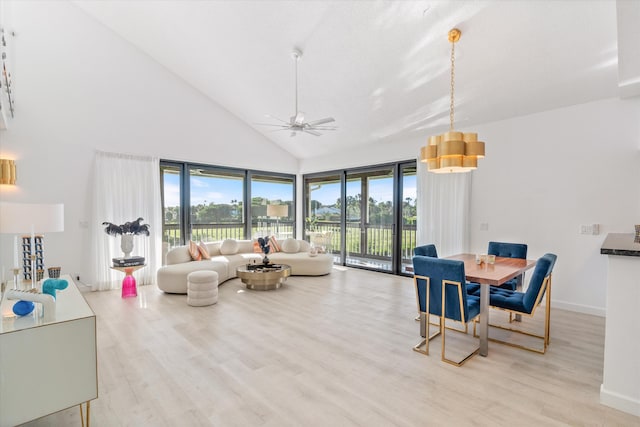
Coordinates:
(508, 250)
(426, 250)
(525, 303)
(441, 291)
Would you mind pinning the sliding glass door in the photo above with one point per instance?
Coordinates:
(370, 218)
(323, 213)
(408, 214)
(368, 215)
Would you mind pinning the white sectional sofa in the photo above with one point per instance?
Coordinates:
(229, 254)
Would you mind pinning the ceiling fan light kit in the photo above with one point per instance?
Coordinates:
(297, 122)
(452, 151)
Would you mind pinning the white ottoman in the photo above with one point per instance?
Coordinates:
(202, 288)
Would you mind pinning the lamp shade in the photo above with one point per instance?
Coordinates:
(27, 217)
(7, 172)
(277, 211)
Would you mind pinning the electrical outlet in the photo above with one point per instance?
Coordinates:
(590, 229)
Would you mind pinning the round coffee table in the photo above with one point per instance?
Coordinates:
(261, 277)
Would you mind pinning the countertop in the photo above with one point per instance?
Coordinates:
(623, 244)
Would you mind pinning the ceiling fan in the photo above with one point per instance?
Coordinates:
(297, 122)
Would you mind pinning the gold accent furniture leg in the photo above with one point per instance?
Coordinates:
(82, 418)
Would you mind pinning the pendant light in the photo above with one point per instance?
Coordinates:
(452, 151)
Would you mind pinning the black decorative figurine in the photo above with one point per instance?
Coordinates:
(266, 247)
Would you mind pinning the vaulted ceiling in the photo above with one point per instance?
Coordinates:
(380, 68)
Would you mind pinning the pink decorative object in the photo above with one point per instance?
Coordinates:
(129, 287)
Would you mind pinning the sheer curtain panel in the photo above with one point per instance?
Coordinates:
(443, 210)
(126, 187)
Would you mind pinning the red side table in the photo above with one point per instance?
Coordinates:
(129, 282)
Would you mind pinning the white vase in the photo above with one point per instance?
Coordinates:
(126, 244)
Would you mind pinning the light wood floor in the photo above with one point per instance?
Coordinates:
(327, 351)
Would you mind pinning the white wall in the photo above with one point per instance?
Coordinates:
(545, 175)
(79, 88)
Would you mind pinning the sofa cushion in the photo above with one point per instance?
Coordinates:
(244, 246)
(290, 246)
(204, 251)
(304, 265)
(214, 248)
(178, 255)
(229, 247)
(304, 246)
(194, 251)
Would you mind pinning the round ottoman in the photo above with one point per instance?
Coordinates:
(202, 288)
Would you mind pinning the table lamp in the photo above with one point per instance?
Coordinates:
(22, 218)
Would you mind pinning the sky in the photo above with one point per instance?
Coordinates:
(207, 190)
(217, 190)
(380, 189)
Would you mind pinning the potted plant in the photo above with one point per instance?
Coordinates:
(126, 232)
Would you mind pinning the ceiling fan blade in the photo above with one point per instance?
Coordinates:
(321, 121)
(276, 118)
(324, 127)
(271, 124)
(312, 132)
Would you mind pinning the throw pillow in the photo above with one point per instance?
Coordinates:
(204, 251)
(256, 247)
(229, 247)
(194, 251)
(275, 247)
(290, 246)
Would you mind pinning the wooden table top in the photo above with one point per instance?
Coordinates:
(493, 274)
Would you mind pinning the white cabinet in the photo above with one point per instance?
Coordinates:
(46, 367)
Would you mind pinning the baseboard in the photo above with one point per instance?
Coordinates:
(579, 308)
(620, 402)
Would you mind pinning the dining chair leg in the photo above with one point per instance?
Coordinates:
(547, 317)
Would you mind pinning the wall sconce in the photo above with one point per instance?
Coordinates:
(7, 172)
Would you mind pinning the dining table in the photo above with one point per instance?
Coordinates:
(491, 274)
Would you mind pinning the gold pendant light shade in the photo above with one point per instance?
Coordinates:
(452, 152)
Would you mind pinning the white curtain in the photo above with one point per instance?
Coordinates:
(125, 187)
(443, 210)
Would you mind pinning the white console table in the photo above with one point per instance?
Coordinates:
(46, 367)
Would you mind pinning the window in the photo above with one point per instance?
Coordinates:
(272, 206)
(216, 209)
(210, 203)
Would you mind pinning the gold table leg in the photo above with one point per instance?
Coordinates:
(82, 418)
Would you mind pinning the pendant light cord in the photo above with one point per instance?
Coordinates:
(453, 62)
